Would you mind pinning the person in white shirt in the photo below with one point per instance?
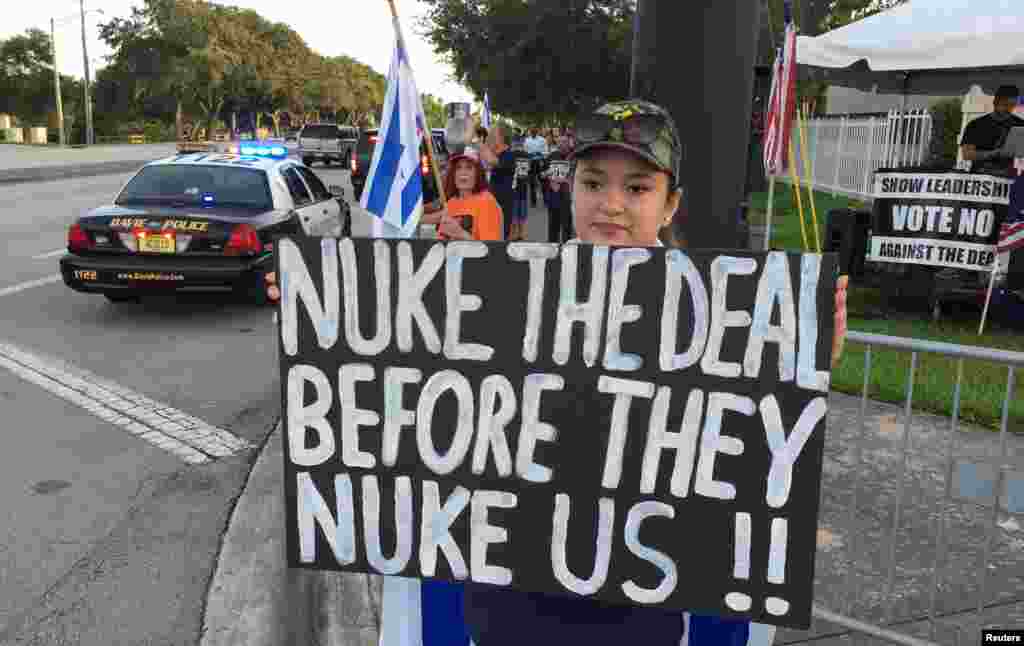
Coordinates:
(535, 144)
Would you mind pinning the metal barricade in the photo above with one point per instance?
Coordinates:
(989, 486)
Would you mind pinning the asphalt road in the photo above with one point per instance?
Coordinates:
(110, 520)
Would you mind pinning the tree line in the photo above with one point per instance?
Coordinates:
(27, 84)
(545, 62)
(187, 68)
(178, 62)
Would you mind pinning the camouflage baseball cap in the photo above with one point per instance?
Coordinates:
(640, 127)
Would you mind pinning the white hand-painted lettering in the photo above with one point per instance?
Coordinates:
(313, 512)
(533, 429)
(352, 417)
(571, 311)
(296, 284)
(619, 313)
(302, 417)
(722, 318)
(624, 390)
(713, 442)
(454, 348)
(410, 309)
(560, 538)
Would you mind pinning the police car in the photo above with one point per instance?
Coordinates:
(200, 222)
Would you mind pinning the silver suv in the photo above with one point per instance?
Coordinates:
(327, 142)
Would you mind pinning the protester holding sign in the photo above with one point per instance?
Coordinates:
(537, 148)
(626, 187)
(579, 444)
(520, 184)
(558, 192)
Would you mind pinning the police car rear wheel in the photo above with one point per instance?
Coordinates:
(122, 297)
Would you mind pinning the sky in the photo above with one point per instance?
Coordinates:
(361, 29)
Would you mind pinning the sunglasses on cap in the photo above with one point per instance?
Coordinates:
(638, 129)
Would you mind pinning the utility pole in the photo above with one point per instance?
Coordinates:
(56, 84)
(697, 60)
(88, 94)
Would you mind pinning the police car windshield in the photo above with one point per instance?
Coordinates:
(193, 185)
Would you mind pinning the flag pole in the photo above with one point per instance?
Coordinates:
(768, 215)
(427, 136)
(988, 294)
(807, 176)
(795, 176)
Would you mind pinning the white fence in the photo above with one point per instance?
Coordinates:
(844, 152)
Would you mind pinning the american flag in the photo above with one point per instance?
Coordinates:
(782, 104)
(1011, 233)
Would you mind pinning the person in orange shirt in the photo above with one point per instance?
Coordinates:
(470, 203)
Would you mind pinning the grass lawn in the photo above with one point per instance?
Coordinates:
(984, 384)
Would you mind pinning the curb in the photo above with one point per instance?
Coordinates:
(255, 600)
(50, 173)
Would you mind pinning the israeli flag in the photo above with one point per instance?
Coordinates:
(485, 120)
(394, 185)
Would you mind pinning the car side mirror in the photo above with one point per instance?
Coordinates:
(336, 190)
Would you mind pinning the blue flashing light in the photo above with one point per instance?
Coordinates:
(207, 198)
(261, 149)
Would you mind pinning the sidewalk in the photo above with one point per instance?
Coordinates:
(255, 600)
(25, 163)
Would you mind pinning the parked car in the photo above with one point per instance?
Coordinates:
(363, 156)
(327, 142)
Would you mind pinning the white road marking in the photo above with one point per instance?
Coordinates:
(172, 430)
(14, 289)
(50, 254)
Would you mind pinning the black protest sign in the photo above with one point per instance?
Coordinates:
(939, 219)
(523, 167)
(636, 426)
(559, 170)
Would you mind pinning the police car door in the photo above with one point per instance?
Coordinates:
(308, 211)
(326, 206)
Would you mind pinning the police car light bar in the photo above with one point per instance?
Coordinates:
(276, 151)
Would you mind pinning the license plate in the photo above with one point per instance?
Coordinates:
(156, 244)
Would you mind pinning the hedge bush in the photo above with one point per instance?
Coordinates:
(947, 119)
(156, 131)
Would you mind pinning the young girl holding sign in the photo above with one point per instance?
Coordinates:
(626, 189)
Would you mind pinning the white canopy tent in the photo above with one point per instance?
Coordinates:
(923, 47)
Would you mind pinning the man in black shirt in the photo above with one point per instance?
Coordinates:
(985, 137)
